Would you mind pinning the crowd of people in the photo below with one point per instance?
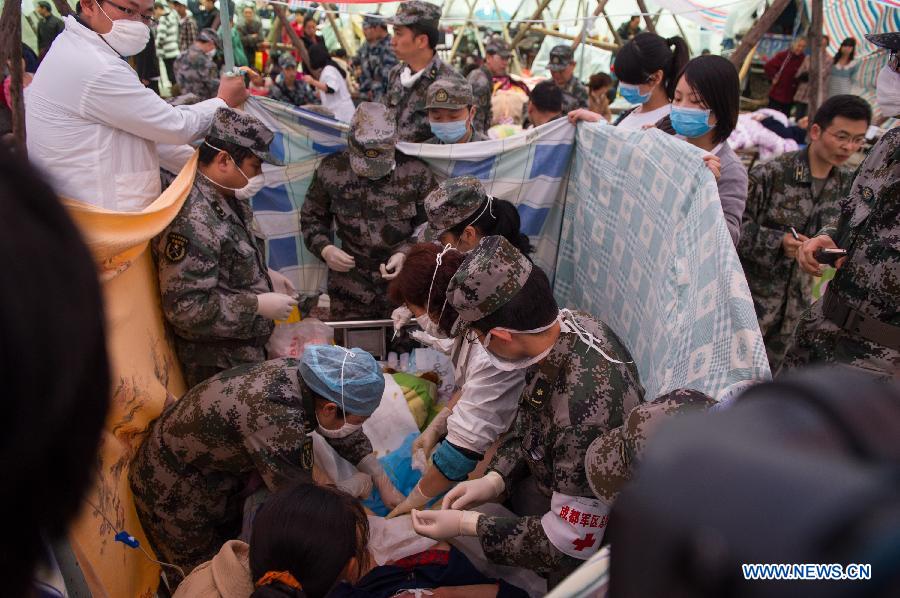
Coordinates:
(545, 395)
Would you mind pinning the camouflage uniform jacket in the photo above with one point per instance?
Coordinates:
(575, 95)
(482, 82)
(210, 271)
(408, 104)
(781, 197)
(375, 218)
(376, 62)
(196, 73)
(869, 280)
(571, 397)
(299, 94)
(189, 473)
(476, 136)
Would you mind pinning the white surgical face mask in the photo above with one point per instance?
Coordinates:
(126, 37)
(346, 430)
(507, 365)
(887, 92)
(211, 53)
(220, 185)
(430, 327)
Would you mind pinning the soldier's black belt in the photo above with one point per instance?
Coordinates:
(858, 323)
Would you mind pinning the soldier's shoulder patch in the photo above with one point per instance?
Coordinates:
(176, 247)
(306, 455)
(218, 209)
(542, 392)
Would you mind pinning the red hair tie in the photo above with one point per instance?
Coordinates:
(284, 577)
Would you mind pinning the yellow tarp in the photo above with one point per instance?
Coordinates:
(144, 372)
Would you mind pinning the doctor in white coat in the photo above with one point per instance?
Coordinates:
(97, 132)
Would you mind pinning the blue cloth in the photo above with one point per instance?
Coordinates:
(452, 463)
(352, 379)
(398, 466)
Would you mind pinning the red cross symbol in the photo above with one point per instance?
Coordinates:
(587, 542)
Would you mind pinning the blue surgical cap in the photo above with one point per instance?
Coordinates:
(363, 380)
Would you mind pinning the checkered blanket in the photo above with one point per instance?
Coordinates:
(644, 247)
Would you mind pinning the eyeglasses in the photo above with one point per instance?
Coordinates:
(132, 14)
(894, 62)
(845, 139)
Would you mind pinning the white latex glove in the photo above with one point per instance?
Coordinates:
(275, 306)
(474, 492)
(281, 283)
(338, 260)
(443, 345)
(401, 317)
(358, 485)
(391, 269)
(390, 496)
(443, 525)
(436, 430)
(252, 188)
(415, 500)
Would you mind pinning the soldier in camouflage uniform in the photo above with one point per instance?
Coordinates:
(783, 198)
(195, 71)
(376, 58)
(290, 88)
(374, 195)
(215, 287)
(612, 458)
(407, 90)
(857, 322)
(580, 381)
(562, 69)
(496, 61)
(190, 474)
(450, 103)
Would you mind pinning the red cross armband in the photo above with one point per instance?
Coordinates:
(575, 524)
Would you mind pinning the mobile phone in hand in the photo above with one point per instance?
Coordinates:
(829, 256)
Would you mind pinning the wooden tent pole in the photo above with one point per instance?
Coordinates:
(612, 29)
(517, 66)
(815, 59)
(601, 5)
(763, 24)
(337, 30)
(648, 19)
(11, 53)
(523, 30)
(589, 41)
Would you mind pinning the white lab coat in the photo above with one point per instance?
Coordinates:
(97, 132)
(489, 398)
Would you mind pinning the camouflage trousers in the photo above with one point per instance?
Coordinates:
(819, 340)
(360, 294)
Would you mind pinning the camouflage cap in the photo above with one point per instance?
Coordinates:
(372, 139)
(243, 130)
(890, 40)
(487, 279)
(561, 57)
(416, 12)
(287, 61)
(374, 20)
(453, 201)
(452, 94)
(208, 35)
(498, 46)
(610, 459)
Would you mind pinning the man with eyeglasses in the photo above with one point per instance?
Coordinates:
(790, 198)
(857, 322)
(98, 133)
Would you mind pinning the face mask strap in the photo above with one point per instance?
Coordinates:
(568, 319)
(437, 264)
(350, 354)
(246, 178)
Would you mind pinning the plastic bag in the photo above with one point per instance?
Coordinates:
(289, 339)
(398, 466)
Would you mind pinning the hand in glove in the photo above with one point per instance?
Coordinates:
(275, 306)
(390, 496)
(401, 317)
(391, 269)
(474, 492)
(443, 345)
(281, 283)
(359, 485)
(338, 260)
(252, 188)
(416, 500)
(443, 525)
(436, 430)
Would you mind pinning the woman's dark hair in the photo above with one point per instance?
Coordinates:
(532, 307)
(849, 41)
(599, 81)
(53, 363)
(715, 80)
(414, 280)
(647, 53)
(208, 153)
(311, 532)
(504, 222)
(320, 58)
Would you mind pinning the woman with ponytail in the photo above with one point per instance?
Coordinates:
(647, 68)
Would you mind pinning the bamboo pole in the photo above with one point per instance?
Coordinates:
(612, 29)
(648, 20)
(765, 21)
(601, 5)
(523, 30)
(337, 30)
(516, 65)
(815, 59)
(292, 35)
(589, 41)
